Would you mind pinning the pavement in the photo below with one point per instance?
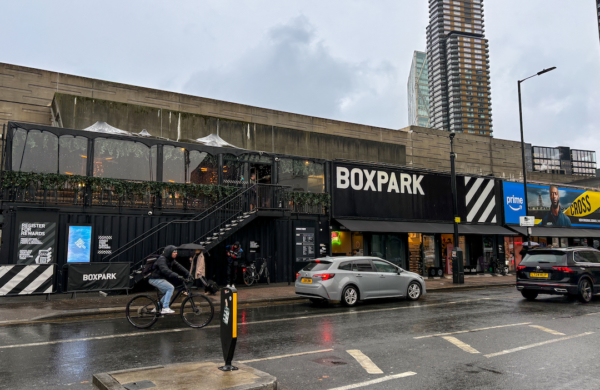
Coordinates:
(15, 310)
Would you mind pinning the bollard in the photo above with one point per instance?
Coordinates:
(228, 326)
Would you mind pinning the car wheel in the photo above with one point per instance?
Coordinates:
(350, 296)
(414, 291)
(529, 295)
(585, 291)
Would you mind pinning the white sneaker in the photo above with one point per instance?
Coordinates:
(233, 286)
(167, 311)
(153, 311)
(229, 285)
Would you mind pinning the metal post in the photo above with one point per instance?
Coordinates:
(459, 266)
(523, 159)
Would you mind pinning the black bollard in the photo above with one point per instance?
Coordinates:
(228, 326)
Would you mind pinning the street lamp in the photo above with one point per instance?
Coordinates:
(523, 142)
(458, 269)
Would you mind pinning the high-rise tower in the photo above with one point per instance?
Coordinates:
(458, 61)
(418, 91)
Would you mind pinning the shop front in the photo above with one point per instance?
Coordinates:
(405, 216)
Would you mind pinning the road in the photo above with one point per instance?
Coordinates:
(488, 339)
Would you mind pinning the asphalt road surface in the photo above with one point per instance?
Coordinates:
(476, 339)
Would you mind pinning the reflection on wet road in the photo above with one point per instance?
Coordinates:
(480, 338)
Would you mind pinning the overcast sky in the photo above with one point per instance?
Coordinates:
(343, 59)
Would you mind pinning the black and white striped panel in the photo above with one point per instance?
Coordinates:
(480, 200)
(26, 279)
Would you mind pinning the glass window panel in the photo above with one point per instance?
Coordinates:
(127, 160)
(17, 148)
(72, 155)
(41, 152)
(173, 164)
(301, 175)
(233, 170)
(202, 168)
(382, 266)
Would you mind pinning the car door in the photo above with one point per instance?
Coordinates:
(389, 280)
(593, 263)
(366, 278)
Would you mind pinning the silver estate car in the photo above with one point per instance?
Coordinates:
(350, 279)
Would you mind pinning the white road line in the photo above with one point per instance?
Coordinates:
(536, 345)
(460, 344)
(365, 362)
(554, 332)
(375, 381)
(592, 314)
(285, 356)
(240, 323)
(472, 330)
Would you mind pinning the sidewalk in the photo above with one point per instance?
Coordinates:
(35, 308)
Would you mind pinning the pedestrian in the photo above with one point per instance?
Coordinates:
(162, 271)
(234, 256)
(198, 269)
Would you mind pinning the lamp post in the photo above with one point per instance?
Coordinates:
(458, 268)
(523, 143)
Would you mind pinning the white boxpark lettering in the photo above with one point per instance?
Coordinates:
(364, 179)
(108, 276)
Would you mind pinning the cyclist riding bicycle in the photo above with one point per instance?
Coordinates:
(162, 271)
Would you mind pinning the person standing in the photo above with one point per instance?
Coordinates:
(555, 216)
(234, 256)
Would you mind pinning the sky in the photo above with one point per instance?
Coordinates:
(347, 60)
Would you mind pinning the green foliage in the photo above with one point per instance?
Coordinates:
(308, 198)
(122, 188)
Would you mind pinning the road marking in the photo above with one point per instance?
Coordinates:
(554, 332)
(375, 381)
(460, 344)
(364, 361)
(592, 314)
(472, 330)
(134, 334)
(536, 345)
(285, 356)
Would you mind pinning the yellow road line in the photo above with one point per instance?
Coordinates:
(460, 344)
(554, 332)
(365, 362)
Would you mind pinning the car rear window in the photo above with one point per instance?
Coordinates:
(545, 257)
(317, 266)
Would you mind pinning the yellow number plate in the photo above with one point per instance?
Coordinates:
(538, 275)
(304, 280)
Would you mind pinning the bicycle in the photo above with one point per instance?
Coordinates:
(196, 310)
(251, 275)
(498, 267)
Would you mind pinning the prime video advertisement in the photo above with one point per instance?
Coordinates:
(556, 206)
(552, 205)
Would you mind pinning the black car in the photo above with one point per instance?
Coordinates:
(564, 271)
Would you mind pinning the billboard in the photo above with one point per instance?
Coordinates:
(36, 237)
(514, 202)
(79, 246)
(563, 207)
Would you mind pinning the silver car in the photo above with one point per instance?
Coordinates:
(350, 279)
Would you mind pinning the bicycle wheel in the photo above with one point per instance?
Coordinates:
(248, 279)
(197, 311)
(142, 311)
(267, 276)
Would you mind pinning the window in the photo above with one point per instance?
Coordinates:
(173, 164)
(302, 175)
(382, 266)
(202, 168)
(40, 153)
(347, 266)
(363, 266)
(317, 266)
(127, 160)
(72, 155)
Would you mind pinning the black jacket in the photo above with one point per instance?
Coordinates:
(163, 267)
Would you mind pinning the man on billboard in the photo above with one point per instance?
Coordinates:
(555, 216)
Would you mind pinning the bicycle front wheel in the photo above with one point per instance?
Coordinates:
(197, 311)
(248, 278)
(142, 311)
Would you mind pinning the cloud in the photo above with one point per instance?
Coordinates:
(293, 70)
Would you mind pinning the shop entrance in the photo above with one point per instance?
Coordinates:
(260, 173)
(447, 247)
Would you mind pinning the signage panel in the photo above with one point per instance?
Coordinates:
(98, 276)
(563, 207)
(514, 202)
(36, 237)
(526, 221)
(79, 246)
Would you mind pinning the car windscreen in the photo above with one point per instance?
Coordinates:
(545, 257)
(316, 266)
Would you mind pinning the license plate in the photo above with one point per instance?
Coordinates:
(538, 275)
(304, 280)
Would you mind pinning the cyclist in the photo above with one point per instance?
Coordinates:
(162, 271)
(234, 255)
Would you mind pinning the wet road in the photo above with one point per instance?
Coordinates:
(490, 339)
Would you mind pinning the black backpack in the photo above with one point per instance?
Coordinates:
(149, 266)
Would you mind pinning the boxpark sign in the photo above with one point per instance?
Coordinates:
(365, 191)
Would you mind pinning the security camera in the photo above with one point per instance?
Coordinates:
(150, 212)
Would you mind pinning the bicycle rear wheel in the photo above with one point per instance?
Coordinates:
(142, 311)
(248, 278)
(197, 311)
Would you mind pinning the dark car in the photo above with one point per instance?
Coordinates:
(574, 272)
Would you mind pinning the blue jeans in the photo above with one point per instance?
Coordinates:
(165, 288)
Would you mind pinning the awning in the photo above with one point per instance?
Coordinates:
(420, 227)
(537, 231)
